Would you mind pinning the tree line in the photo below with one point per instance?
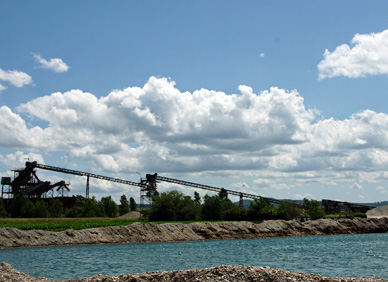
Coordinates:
(23, 207)
(175, 206)
(167, 206)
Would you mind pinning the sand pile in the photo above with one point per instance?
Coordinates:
(378, 212)
(132, 214)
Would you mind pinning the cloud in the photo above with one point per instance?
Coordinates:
(269, 136)
(18, 159)
(307, 196)
(16, 78)
(55, 64)
(367, 56)
(261, 55)
(158, 126)
(2, 87)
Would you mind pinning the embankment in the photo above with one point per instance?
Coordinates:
(150, 232)
(225, 273)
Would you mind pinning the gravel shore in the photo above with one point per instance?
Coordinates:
(197, 231)
(221, 273)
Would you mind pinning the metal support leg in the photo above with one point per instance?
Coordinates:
(241, 203)
(87, 187)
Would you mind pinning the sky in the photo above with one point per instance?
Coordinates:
(282, 99)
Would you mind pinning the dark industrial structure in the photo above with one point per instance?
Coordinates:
(152, 179)
(26, 180)
(333, 207)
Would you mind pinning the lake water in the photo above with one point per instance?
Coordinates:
(340, 256)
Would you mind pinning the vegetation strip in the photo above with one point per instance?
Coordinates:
(60, 224)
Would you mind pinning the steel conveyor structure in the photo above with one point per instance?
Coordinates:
(149, 185)
(146, 191)
(82, 173)
(153, 178)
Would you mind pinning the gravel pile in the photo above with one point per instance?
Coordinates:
(378, 212)
(220, 273)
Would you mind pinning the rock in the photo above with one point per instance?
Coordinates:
(198, 231)
(221, 273)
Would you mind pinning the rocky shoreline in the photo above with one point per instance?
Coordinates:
(169, 232)
(150, 232)
(221, 273)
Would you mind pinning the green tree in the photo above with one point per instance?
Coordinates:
(261, 210)
(108, 206)
(132, 204)
(124, 205)
(21, 206)
(288, 210)
(92, 208)
(217, 207)
(3, 211)
(173, 205)
(197, 198)
(85, 208)
(223, 194)
(55, 208)
(40, 210)
(211, 208)
(313, 209)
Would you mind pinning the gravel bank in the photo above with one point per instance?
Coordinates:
(172, 232)
(220, 273)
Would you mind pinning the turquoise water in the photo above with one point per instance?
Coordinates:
(340, 256)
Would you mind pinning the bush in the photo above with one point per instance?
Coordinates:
(313, 209)
(55, 208)
(108, 207)
(21, 206)
(3, 211)
(172, 206)
(219, 207)
(287, 210)
(261, 210)
(124, 205)
(40, 210)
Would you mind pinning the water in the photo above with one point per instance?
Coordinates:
(340, 256)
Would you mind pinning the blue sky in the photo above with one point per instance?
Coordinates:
(238, 94)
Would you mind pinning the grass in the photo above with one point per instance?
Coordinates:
(346, 215)
(60, 224)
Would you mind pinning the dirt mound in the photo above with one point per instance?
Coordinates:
(378, 212)
(132, 214)
(197, 231)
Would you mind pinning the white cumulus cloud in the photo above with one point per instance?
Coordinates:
(55, 64)
(2, 87)
(16, 78)
(18, 159)
(270, 136)
(366, 56)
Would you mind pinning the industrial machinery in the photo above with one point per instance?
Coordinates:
(147, 188)
(26, 181)
(333, 207)
(152, 179)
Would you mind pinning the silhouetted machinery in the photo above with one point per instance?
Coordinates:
(333, 207)
(152, 179)
(26, 180)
